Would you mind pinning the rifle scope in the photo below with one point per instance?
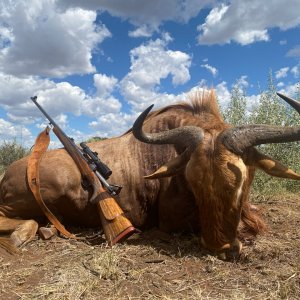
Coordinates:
(102, 168)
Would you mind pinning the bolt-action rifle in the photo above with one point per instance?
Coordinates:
(94, 172)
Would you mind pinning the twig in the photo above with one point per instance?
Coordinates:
(154, 261)
(290, 277)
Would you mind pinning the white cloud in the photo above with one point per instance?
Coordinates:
(223, 94)
(211, 69)
(283, 42)
(142, 31)
(104, 84)
(150, 63)
(103, 102)
(55, 98)
(282, 73)
(246, 23)
(242, 82)
(112, 124)
(16, 93)
(294, 52)
(290, 90)
(295, 71)
(146, 15)
(280, 84)
(96, 107)
(37, 39)
(10, 132)
(59, 100)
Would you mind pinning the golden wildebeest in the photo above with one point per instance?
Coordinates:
(201, 173)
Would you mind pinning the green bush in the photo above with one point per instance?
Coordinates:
(270, 110)
(95, 139)
(10, 152)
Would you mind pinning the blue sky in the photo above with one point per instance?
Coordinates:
(95, 65)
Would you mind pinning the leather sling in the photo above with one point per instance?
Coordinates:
(33, 177)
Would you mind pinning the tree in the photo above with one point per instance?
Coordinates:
(272, 110)
(236, 114)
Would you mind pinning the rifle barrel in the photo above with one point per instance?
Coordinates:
(34, 100)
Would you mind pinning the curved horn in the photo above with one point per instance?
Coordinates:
(239, 138)
(187, 137)
(295, 104)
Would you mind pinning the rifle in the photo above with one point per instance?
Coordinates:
(101, 169)
(115, 225)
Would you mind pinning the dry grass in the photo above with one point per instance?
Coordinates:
(160, 266)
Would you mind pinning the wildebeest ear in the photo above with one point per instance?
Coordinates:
(171, 168)
(271, 166)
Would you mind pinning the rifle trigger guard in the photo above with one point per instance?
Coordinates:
(85, 183)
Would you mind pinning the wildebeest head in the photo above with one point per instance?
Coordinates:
(218, 162)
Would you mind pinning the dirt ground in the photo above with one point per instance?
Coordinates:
(155, 265)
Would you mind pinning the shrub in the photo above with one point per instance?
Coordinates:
(95, 139)
(10, 152)
(270, 110)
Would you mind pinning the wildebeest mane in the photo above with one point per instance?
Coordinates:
(202, 105)
(198, 103)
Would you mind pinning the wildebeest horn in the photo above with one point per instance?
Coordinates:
(186, 137)
(295, 104)
(239, 138)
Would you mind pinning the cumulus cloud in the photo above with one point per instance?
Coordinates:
(10, 131)
(150, 63)
(60, 100)
(16, 92)
(282, 73)
(112, 124)
(103, 102)
(104, 84)
(245, 22)
(142, 31)
(37, 39)
(223, 94)
(211, 69)
(146, 15)
(55, 98)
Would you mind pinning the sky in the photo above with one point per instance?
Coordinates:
(96, 64)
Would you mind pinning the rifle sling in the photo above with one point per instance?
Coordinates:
(33, 177)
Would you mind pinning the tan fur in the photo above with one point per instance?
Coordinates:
(210, 193)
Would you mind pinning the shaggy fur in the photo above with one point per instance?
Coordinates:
(211, 192)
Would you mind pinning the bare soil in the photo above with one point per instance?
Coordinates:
(155, 265)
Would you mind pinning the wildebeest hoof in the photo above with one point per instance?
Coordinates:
(47, 233)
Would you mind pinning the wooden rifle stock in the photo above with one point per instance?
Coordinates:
(115, 225)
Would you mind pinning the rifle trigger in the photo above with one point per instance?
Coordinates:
(85, 183)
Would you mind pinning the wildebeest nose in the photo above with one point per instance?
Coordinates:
(231, 253)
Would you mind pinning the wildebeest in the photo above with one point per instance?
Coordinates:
(200, 169)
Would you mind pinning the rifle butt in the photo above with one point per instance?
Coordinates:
(116, 226)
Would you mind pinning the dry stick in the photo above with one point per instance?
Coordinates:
(290, 277)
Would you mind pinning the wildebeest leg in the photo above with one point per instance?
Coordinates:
(22, 231)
